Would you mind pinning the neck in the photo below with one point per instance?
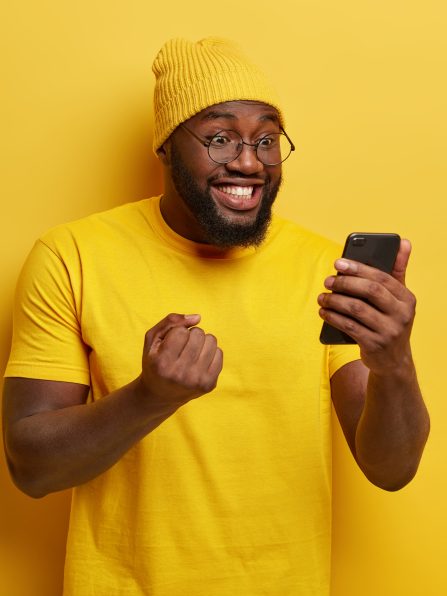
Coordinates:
(179, 218)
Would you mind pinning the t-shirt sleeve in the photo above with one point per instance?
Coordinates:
(339, 355)
(47, 339)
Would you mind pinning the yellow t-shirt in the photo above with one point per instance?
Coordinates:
(231, 495)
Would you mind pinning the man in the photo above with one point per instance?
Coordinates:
(196, 475)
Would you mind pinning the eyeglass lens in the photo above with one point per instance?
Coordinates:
(227, 145)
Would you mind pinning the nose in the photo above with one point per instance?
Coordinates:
(247, 161)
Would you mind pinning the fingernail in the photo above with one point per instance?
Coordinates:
(342, 265)
(329, 282)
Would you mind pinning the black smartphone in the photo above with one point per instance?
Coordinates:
(376, 250)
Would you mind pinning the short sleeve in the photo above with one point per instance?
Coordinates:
(47, 339)
(342, 354)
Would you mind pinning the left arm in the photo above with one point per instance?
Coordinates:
(377, 399)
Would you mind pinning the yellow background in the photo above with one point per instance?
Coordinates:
(363, 85)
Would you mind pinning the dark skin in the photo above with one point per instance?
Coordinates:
(55, 440)
(258, 120)
(378, 399)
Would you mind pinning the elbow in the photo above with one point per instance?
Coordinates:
(24, 473)
(28, 483)
(394, 473)
(393, 487)
(32, 490)
(391, 480)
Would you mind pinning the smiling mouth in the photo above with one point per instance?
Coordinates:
(238, 198)
(238, 191)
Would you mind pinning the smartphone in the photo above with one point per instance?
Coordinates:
(376, 250)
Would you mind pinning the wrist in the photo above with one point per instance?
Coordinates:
(152, 404)
(389, 362)
(393, 382)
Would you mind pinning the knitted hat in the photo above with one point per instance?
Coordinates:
(191, 76)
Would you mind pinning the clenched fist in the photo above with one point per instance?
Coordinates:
(180, 361)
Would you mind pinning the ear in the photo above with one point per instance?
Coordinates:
(164, 153)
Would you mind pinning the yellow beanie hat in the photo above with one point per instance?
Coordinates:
(191, 76)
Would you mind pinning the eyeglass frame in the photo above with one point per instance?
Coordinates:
(256, 145)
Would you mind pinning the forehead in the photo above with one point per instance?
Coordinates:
(233, 111)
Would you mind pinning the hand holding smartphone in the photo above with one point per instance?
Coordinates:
(375, 250)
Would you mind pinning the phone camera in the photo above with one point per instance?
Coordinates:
(359, 241)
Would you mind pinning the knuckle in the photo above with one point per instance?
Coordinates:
(339, 283)
(208, 383)
(197, 331)
(381, 277)
(374, 289)
(357, 307)
(178, 377)
(212, 385)
(393, 333)
(407, 317)
(220, 357)
(205, 386)
(211, 339)
(350, 326)
(412, 301)
(161, 366)
(172, 317)
(191, 380)
(178, 332)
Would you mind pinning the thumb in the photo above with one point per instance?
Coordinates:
(400, 266)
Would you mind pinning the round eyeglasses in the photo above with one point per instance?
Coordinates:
(226, 146)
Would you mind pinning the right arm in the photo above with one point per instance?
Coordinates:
(54, 440)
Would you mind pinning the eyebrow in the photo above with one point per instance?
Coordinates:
(215, 114)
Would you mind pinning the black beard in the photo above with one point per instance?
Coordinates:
(217, 229)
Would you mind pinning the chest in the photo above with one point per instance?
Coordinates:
(263, 314)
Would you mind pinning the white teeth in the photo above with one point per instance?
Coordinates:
(240, 191)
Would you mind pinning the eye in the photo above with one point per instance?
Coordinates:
(268, 142)
(220, 140)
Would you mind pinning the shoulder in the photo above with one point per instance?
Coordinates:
(287, 235)
(99, 228)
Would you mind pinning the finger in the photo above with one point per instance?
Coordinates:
(208, 351)
(157, 333)
(354, 308)
(193, 347)
(403, 256)
(352, 269)
(210, 375)
(173, 342)
(366, 289)
(215, 368)
(354, 329)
